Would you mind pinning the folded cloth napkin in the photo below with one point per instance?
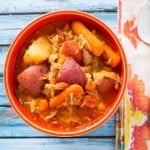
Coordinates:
(132, 123)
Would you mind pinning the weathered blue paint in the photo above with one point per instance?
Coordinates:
(32, 6)
(11, 125)
(57, 144)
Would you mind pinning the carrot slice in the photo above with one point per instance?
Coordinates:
(74, 89)
(90, 85)
(89, 101)
(113, 59)
(42, 105)
(95, 44)
(61, 58)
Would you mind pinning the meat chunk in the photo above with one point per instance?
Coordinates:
(30, 79)
(71, 49)
(87, 58)
(71, 73)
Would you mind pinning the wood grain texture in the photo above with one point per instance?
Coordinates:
(18, 21)
(32, 6)
(57, 144)
(13, 126)
(11, 25)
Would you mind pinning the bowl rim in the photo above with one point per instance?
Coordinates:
(18, 38)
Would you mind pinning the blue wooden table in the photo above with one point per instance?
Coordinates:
(15, 134)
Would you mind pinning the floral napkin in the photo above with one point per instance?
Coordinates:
(133, 124)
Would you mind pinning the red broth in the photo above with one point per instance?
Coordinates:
(61, 81)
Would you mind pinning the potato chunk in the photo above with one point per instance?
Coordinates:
(38, 51)
(31, 79)
(71, 73)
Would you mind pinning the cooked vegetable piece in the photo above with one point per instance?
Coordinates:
(87, 58)
(97, 64)
(51, 88)
(95, 44)
(113, 59)
(38, 51)
(60, 34)
(75, 89)
(106, 87)
(86, 69)
(97, 47)
(102, 106)
(71, 48)
(107, 83)
(89, 101)
(90, 85)
(42, 105)
(61, 85)
(61, 58)
(30, 79)
(71, 73)
(104, 73)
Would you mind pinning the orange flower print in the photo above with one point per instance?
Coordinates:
(141, 135)
(130, 31)
(136, 90)
(137, 126)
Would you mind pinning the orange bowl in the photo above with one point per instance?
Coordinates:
(26, 33)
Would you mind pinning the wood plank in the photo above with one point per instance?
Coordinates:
(13, 126)
(26, 6)
(57, 144)
(3, 52)
(18, 21)
(11, 25)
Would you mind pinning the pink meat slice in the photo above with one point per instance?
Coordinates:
(30, 79)
(71, 73)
